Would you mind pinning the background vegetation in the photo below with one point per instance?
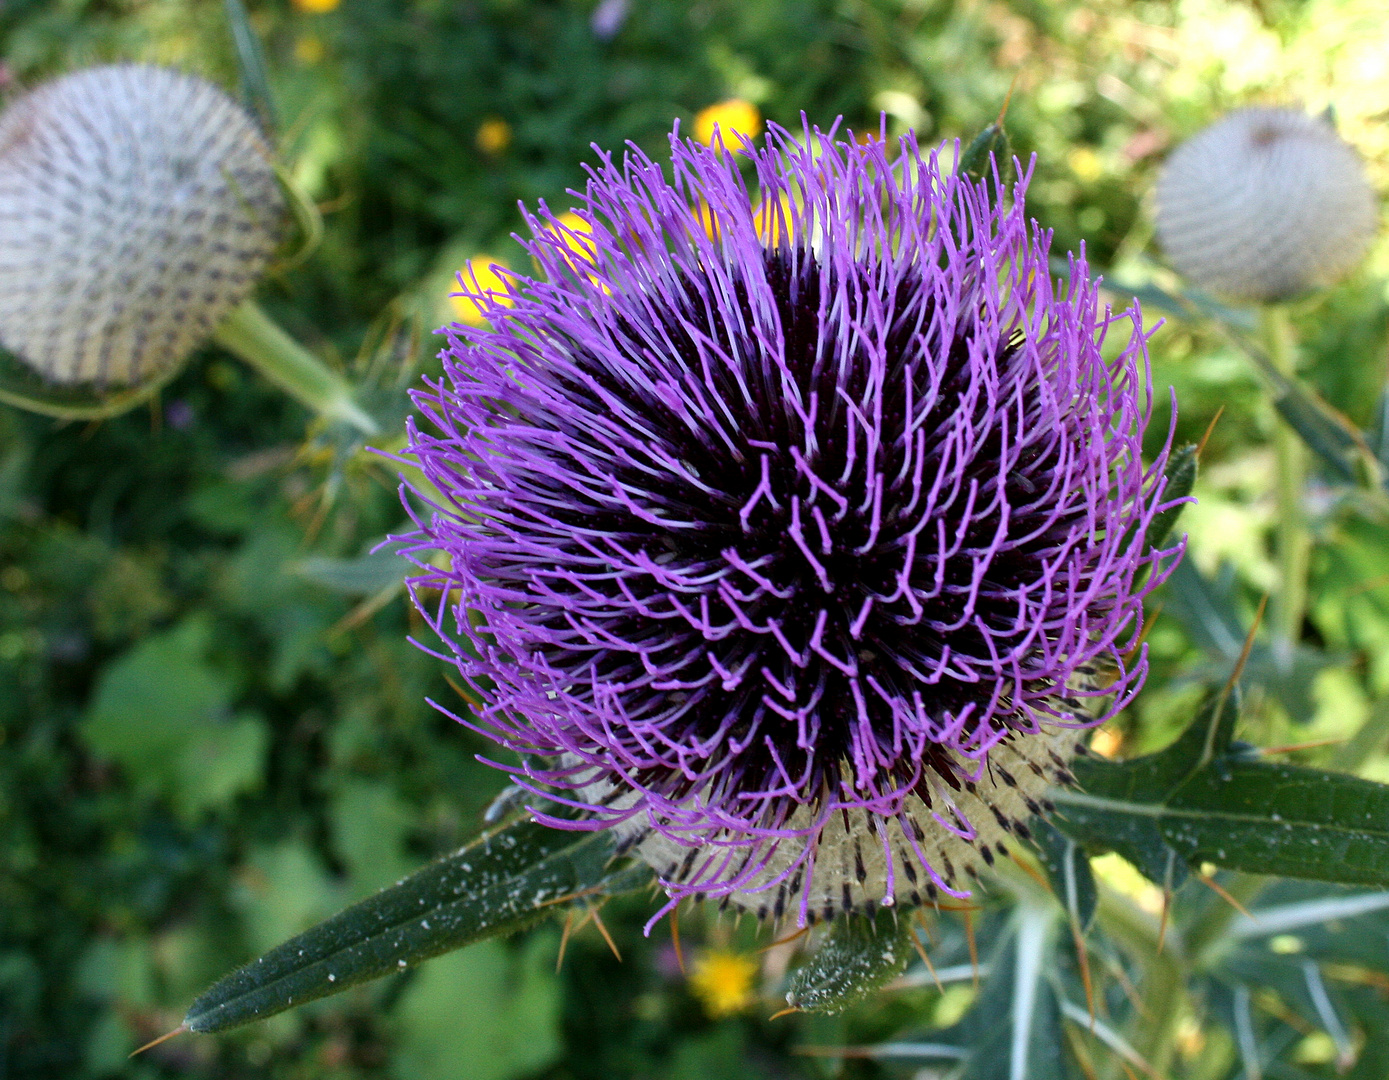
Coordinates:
(209, 740)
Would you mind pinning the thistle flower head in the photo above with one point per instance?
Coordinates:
(1265, 204)
(138, 206)
(800, 561)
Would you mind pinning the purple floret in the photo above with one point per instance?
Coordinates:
(758, 514)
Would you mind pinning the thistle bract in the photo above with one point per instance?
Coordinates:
(138, 206)
(798, 550)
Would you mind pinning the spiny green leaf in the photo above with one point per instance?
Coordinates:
(501, 883)
(1202, 799)
(1207, 608)
(860, 955)
(1143, 782)
(1014, 1028)
(1342, 449)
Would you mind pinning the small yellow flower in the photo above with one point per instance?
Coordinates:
(316, 7)
(308, 49)
(488, 281)
(734, 117)
(493, 136)
(723, 982)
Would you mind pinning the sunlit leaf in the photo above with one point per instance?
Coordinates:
(1203, 799)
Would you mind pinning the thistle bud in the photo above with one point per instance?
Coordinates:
(1265, 204)
(138, 207)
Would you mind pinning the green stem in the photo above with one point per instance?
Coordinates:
(1294, 541)
(257, 339)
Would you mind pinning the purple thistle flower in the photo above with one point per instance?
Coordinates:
(797, 543)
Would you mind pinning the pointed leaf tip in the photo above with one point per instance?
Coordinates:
(990, 144)
(1180, 479)
(505, 881)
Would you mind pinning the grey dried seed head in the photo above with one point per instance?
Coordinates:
(138, 206)
(1265, 204)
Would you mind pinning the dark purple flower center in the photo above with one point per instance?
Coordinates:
(963, 449)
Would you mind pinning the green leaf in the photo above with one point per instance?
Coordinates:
(501, 883)
(1068, 871)
(250, 62)
(860, 955)
(1378, 435)
(1181, 477)
(1340, 446)
(1298, 941)
(1272, 818)
(1142, 783)
(1207, 609)
(163, 713)
(1202, 799)
(989, 147)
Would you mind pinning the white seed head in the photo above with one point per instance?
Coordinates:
(1265, 204)
(138, 206)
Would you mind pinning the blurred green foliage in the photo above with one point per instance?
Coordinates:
(204, 748)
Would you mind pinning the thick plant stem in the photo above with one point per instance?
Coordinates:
(1294, 540)
(257, 339)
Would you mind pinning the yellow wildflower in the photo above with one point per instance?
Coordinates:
(734, 117)
(723, 982)
(488, 281)
(493, 136)
(316, 7)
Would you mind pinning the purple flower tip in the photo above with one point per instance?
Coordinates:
(797, 537)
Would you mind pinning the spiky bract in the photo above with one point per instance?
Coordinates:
(794, 536)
